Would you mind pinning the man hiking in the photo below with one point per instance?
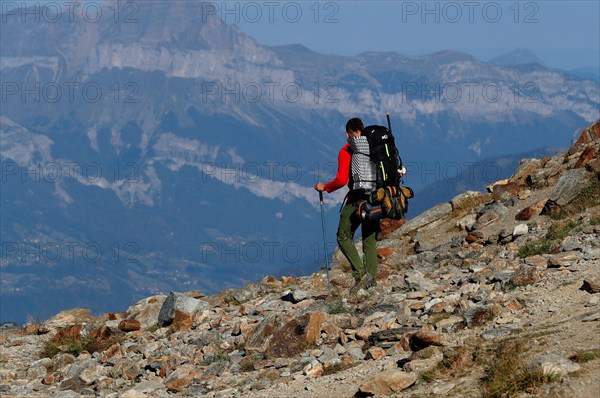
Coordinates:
(365, 277)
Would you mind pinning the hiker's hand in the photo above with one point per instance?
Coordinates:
(319, 186)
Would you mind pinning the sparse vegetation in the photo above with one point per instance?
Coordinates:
(484, 315)
(540, 246)
(337, 307)
(559, 231)
(506, 373)
(218, 357)
(69, 345)
(471, 202)
(585, 356)
(456, 363)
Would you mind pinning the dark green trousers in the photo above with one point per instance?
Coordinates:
(349, 223)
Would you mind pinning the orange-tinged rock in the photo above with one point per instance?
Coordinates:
(129, 325)
(384, 252)
(70, 332)
(588, 154)
(514, 305)
(375, 353)
(182, 321)
(531, 211)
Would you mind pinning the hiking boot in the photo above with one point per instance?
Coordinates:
(364, 283)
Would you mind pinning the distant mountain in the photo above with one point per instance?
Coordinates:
(592, 72)
(519, 56)
(177, 153)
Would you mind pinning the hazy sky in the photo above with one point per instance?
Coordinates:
(563, 34)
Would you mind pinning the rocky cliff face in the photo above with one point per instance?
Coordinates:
(491, 294)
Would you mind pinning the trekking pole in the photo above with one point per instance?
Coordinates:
(325, 241)
(388, 120)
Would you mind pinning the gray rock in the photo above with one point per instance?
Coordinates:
(467, 222)
(179, 302)
(570, 243)
(427, 217)
(553, 364)
(564, 259)
(356, 353)
(216, 368)
(74, 384)
(498, 332)
(489, 214)
(569, 185)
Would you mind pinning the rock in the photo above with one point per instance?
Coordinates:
(295, 296)
(425, 218)
(384, 252)
(179, 302)
(553, 364)
(531, 211)
(526, 275)
(591, 285)
(356, 353)
(489, 214)
(587, 136)
(280, 336)
(468, 200)
(506, 191)
(129, 325)
(450, 324)
(182, 321)
(476, 236)
(388, 226)
(74, 384)
(570, 243)
(521, 229)
(467, 222)
(490, 188)
(537, 261)
(146, 311)
(422, 339)
(587, 155)
(181, 377)
(388, 382)
(424, 360)
(564, 259)
(524, 194)
(69, 317)
(594, 166)
(375, 353)
(314, 369)
(495, 333)
(570, 184)
(526, 167)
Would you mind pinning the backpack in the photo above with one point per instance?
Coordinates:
(389, 199)
(362, 169)
(384, 154)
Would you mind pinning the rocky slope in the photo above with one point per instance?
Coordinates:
(491, 294)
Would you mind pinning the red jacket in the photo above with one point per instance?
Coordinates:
(343, 171)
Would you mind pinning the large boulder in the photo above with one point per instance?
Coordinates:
(178, 306)
(570, 184)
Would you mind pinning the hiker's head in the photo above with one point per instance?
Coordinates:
(354, 127)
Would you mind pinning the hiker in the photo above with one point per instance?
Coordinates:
(365, 277)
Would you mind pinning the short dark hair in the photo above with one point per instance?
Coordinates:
(354, 124)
